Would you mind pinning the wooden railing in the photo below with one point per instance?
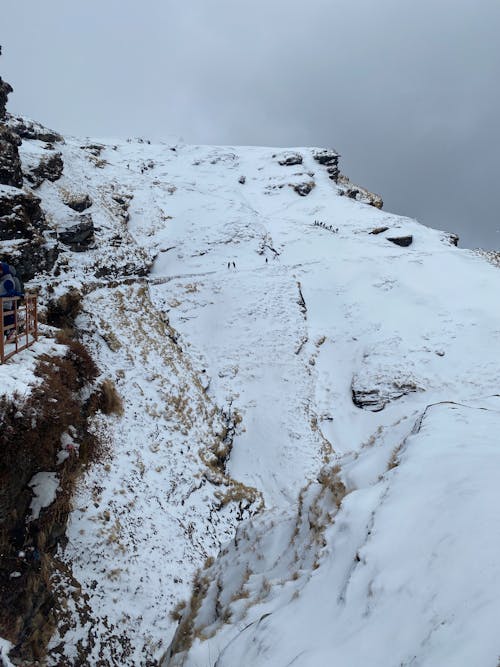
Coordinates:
(23, 332)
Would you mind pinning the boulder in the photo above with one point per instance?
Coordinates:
(403, 241)
(304, 188)
(289, 159)
(80, 236)
(78, 202)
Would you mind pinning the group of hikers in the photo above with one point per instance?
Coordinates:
(10, 286)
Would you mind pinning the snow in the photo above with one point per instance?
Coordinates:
(17, 375)
(44, 486)
(408, 574)
(5, 648)
(341, 534)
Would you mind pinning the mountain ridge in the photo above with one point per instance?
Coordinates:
(276, 355)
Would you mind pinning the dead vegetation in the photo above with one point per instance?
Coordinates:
(63, 311)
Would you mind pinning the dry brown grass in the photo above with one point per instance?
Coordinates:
(30, 439)
(62, 312)
(109, 400)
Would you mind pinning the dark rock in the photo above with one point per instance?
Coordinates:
(452, 239)
(20, 216)
(357, 192)
(80, 236)
(29, 129)
(403, 241)
(376, 399)
(242, 180)
(305, 188)
(290, 159)
(49, 168)
(5, 90)
(23, 221)
(329, 159)
(10, 163)
(77, 202)
(379, 230)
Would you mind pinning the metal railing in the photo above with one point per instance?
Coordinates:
(22, 328)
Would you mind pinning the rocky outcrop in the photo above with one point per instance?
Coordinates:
(49, 168)
(10, 163)
(23, 223)
(357, 192)
(329, 159)
(29, 129)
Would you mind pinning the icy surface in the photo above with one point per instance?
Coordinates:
(327, 392)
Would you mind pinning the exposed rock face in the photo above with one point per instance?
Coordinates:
(49, 168)
(80, 236)
(23, 222)
(329, 159)
(5, 90)
(376, 398)
(10, 164)
(78, 202)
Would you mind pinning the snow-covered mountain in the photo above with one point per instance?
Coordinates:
(307, 454)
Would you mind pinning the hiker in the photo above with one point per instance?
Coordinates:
(10, 285)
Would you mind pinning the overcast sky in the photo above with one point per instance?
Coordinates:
(408, 91)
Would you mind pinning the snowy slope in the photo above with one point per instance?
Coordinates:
(238, 358)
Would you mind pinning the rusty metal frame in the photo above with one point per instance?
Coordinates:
(25, 312)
